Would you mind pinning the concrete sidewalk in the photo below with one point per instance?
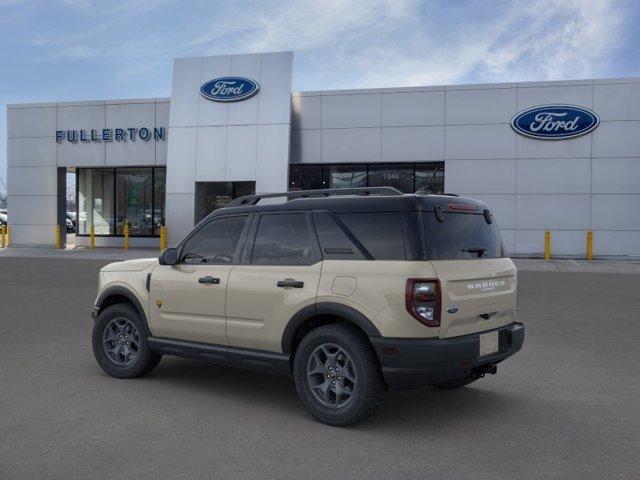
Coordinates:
(523, 264)
(101, 253)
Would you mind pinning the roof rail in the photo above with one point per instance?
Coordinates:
(365, 191)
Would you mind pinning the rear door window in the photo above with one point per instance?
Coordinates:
(461, 236)
(380, 233)
(283, 239)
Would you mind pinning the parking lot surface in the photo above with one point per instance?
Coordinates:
(565, 407)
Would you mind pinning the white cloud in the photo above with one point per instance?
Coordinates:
(361, 43)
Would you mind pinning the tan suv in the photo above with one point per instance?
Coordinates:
(348, 291)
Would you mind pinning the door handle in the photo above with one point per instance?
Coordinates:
(290, 282)
(209, 279)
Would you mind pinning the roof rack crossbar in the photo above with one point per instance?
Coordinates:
(254, 199)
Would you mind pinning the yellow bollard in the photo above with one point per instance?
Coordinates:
(2, 241)
(126, 236)
(58, 237)
(6, 233)
(163, 238)
(547, 245)
(589, 245)
(92, 237)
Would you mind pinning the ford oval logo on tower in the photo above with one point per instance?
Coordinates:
(555, 122)
(229, 89)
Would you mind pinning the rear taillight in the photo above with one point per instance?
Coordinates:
(422, 299)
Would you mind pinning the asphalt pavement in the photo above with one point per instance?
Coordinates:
(567, 406)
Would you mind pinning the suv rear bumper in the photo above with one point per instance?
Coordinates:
(425, 361)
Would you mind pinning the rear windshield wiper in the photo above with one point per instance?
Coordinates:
(479, 251)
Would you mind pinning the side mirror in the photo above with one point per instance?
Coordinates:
(168, 257)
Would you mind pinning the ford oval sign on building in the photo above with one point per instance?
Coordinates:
(555, 122)
(229, 89)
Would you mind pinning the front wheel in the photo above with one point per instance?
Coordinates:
(120, 343)
(337, 375)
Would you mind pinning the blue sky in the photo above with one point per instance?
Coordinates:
(55, 50)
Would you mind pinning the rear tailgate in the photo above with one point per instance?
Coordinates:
(481, 294)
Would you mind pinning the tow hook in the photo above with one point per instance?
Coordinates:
(484, 369)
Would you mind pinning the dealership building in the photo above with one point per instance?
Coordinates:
(559, 156)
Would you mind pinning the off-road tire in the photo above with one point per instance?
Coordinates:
(144, 361)
(369, 388)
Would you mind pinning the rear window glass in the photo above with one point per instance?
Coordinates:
(380, 233)
(461, 236)
(334, 242)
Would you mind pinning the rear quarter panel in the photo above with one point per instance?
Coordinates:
(379, 292)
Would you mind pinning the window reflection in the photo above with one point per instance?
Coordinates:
(133, 201)
(95, 201)
(398, 176)
(347, 176)
(430, 179)
(406, 177)
(109, 197)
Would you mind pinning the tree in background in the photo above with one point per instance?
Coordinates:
(3, 193)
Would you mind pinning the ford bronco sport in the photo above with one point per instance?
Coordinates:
(348, 291)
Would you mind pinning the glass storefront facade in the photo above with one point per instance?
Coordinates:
(406, 177)
(109, 198)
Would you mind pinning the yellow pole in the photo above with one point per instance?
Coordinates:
(58, 237)
(126, 236)
(163, 238)
(547, 245)
(92, 237)
(2, 240)
(589, 245)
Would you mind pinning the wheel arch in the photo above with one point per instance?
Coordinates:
(118, 294)
(321, 314)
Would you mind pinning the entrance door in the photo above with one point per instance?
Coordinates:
(188, 300)
(213, 195)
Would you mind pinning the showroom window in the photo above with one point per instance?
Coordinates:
(406, 177)
(109, 198)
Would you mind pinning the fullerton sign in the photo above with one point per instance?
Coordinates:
(111, 135)
(555, 122)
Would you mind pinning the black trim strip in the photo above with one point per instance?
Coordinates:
(262, 360)
(325, 308)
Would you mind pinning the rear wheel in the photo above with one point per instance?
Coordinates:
(120, 343)
(457, 383)
(337, 375)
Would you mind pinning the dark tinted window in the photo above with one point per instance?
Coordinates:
(334, 242)
(215, 242)
(462, 236)
(305, 177)
(380, 233)
(283, 239)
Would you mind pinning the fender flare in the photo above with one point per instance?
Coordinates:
(125, 292)
(326, 308)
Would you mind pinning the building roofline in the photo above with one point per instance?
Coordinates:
(470, 86)
(84, 103)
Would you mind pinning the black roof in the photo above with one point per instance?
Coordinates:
(340, 203)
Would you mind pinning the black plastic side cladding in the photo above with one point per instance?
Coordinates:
(325, 308)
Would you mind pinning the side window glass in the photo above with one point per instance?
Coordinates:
(215, 243)
(334, 242)
(283, 239)
(380, 233)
